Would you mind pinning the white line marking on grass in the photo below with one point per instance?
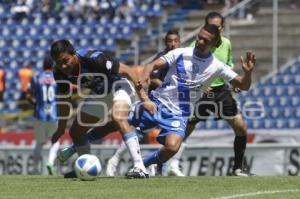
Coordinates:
(257, 193)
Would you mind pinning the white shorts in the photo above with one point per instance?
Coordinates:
(122, 90)
(43, 130)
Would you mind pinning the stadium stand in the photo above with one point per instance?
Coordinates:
(25, 40)
(274, 102)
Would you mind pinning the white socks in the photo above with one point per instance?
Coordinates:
(119, 152)
(133, 145)
(53, 152)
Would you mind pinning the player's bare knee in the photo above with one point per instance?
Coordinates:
(240, 128)
(172, 147)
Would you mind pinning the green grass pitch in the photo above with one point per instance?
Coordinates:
(40, 187)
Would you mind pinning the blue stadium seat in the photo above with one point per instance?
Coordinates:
(296, 79)
(110, 45)
(293, 123)
(258, 124)
(280, 90)
(113, 31)
(73, 31)
(291, 90)
(168, 2)
(288, 112)
(51, 21)
(221, 124)
(281, 123)
(201, 125)
(295, 101)
(155, 11)
(83, 43)
(104, 21)
(249, 124)
(141, 10)
(210, 124)
(266, 91)
(96, 42)
(140, 23)
(100, 32)
(116, 21)
(269, 124)
(273, 101)
(87, 31)
(47, 31)
(284, 101)
(253, 93)
(79, 21)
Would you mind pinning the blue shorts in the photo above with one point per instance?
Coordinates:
(163, 118)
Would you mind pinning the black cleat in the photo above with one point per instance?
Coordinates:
(70, 174)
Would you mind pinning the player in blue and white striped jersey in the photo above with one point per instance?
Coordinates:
(191, 70)
(43, 95)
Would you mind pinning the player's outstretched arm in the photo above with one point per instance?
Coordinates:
(149, 68)
(244, 82)
(129, 72)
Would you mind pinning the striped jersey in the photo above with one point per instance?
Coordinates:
(44, 87)
(187, 78)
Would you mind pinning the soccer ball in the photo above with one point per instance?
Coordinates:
(87, 167)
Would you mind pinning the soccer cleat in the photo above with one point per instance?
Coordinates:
(70, 174)
(50, 169)
(111, 167)
(240, 172)
(175, 171)
(65, 154)
(136, 173)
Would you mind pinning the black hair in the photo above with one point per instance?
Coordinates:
(48, 62)
(172, 32)
(61, 46)
(213, 15)
(213, 29)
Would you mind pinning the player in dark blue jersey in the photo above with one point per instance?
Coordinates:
(43, 95)
(172, 41)
(101, 75)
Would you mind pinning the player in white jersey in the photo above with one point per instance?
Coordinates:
(172, 41)
(191, 71)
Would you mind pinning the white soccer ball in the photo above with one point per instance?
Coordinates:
(87, 167)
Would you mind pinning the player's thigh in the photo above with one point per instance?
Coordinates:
(121, 105)
(79, 128)
(95, 110)
(173, 141)
(123, 90)
(170, 124)
(238, 124)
